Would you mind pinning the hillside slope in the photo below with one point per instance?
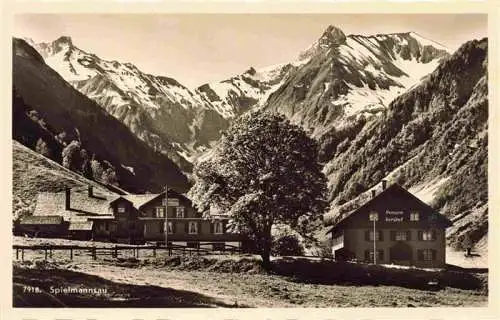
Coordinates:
(159, 110)
(45, 107)
(433, 140)
(33, 173)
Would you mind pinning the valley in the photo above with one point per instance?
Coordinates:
(395, 106)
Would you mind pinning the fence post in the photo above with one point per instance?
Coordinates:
(154, 252)
(17, 254)
(137, 252)
(22, 254)
(71, 253)
(94, 253)
(51, 252)
(46, 254)
(116, 251)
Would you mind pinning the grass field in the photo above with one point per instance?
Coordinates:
(236, 281)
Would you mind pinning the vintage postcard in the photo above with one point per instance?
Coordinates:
(224, 161)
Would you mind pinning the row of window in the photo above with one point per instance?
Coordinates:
(179, 212)
(159, 211)
(218, 227)
(422, 255)
(400, 235)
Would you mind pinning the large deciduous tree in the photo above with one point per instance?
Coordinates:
(263, 171)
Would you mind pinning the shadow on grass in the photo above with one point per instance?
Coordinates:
(453, 267)
(118, 295)
(304, 270)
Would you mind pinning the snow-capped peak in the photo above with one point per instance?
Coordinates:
(332, 36)
(64, 40)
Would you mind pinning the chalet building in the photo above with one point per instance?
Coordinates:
(131, 218)
(396, 226)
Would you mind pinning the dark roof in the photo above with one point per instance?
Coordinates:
(81, 205)
(139, 200)
(42, 220)
(49, 203)
(80, 225)
(391, 188)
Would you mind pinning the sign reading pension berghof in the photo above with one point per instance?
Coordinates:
(394, 216)
(172, 202)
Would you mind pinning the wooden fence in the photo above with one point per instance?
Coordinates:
(118, 250)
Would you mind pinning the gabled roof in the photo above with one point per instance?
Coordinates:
(42, 220)
(138, 200)
(84, 207)
(391, 188)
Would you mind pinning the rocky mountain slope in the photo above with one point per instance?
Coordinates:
(184, 123)
(159, 110)
(351, 77)
(432, 139)
(50, 116)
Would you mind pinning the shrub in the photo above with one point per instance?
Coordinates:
(287, 245)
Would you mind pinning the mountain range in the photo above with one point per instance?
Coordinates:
(183, 123)
(50, 116)
(395, 106)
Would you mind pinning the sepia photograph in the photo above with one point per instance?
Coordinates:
(261, 160)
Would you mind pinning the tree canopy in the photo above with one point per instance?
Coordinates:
(264, 170)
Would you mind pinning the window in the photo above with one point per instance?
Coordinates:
(401, 236)
(218, 228)
(373, 216)
(427, 254)
(428, 235)
(170, 227)
(179, 212)
(103, 226)
(193, 227)
(121, 208)
(160, 212)
(414, 216)
(369, 235)
(369, 255)
(377, 236)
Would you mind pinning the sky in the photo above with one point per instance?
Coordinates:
(199, 48)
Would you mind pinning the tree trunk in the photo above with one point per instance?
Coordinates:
(266, 259)
(266, 247)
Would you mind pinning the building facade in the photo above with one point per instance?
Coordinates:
(393, 227)
(131, 218)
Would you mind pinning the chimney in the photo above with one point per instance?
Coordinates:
(384, 184)
(373, 193)
(68, 198)
(90, 190)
